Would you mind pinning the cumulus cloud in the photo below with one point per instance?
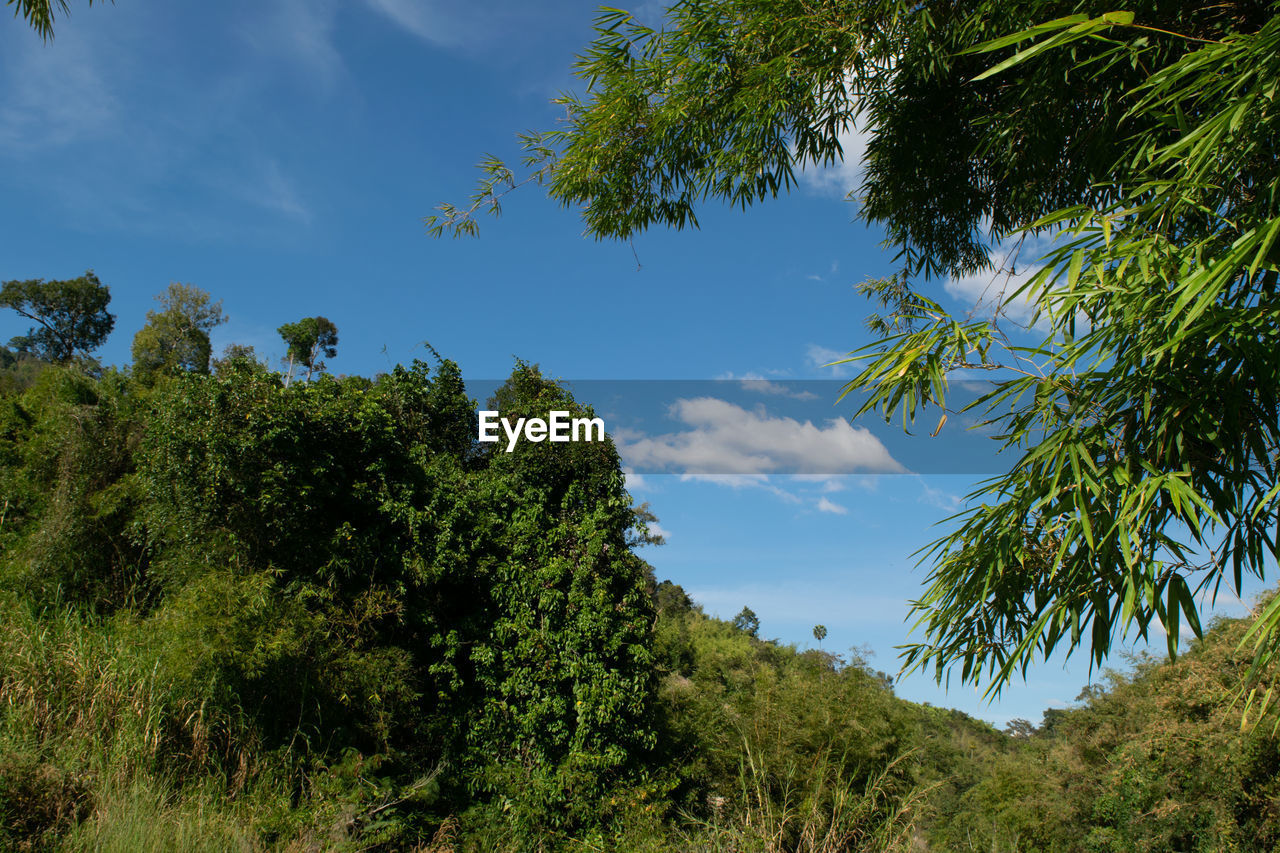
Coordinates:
(724, 438)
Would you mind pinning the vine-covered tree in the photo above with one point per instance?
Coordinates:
(71, 315)
(1140, 407)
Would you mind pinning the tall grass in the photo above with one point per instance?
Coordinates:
(813, 809)
(76, 686)
(98, 752)
(101, 750)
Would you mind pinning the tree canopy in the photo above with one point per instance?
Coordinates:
(308, 339)
(71, 315)
(177, 337)
(1140, 405)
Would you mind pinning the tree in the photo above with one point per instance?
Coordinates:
(645, 529)
(747, 621)
(71, 315)
(819, 633)
(308, 339)
(238, 357)
(1143, 423)
(39, 13)
(176, 338)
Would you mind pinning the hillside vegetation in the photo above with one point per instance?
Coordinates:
(238, 613)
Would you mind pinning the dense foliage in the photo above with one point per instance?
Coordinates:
(1155, 761)
(240, 616)
(337, 569)
(240, 613)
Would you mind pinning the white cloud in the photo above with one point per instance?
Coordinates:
(995, 291)
(656, 529)
(725, 438)
(991, 291)
(820, 356)
(806, 486)
(844, 177)
(825, 505)
(634, 482)
(825, 483)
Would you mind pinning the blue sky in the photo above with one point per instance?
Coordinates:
(281, 154)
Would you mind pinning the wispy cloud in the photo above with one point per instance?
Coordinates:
(419, 18)
(820, 356)
(835, 268)
(274, 191)
(757, 384)
(826, 505)
(301, 31)
(744, 481)
(807, 490)
(941, 499)
(54, 98)
(656, 529)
